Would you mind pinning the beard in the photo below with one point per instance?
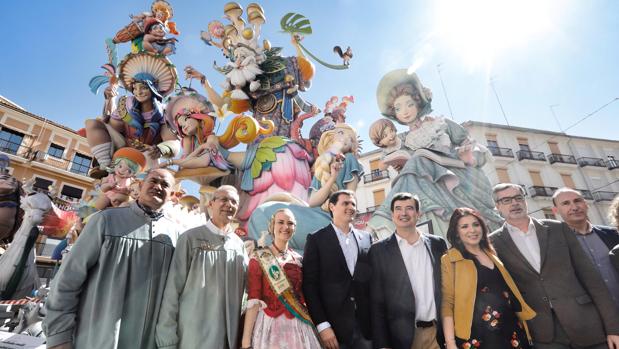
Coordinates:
(239, 76)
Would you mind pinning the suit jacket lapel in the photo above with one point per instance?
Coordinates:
(542, 238)
(398, 266)
(511, 246)
(336, 242)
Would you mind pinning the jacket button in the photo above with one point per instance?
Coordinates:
(545, 299)
(352, 299)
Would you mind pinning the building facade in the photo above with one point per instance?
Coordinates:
(53, 155)
(541, 161)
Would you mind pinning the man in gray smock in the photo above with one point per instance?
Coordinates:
(201, 305)
(108, 290)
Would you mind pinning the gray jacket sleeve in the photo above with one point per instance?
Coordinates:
(166, 333)
(64, 297)
(593, 283)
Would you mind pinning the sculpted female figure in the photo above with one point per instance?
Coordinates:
(137, 120)
(445, 165)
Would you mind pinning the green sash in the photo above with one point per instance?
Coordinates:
(281, 286)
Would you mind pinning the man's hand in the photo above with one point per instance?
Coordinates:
(327, 336)
(613, 341)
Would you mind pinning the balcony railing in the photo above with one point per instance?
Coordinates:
(375, 176)
(541, 191)
(504, 152)
(612, 164)
(566, 159)
(586, 161)
(530, 155)
(586, 194)
(44, 158)
(604, 195)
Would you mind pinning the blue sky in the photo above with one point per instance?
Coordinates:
(546, 53)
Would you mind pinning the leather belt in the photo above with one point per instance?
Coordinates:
(425, 324)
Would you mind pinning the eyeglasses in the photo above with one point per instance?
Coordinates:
(509, 199)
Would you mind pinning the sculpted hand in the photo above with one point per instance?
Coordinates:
(191, 73)
(613, 341)
(153, 152)
(327, 336)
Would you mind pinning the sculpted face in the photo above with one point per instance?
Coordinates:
(390, 137)
(405, 109)
(141, 92)
(123, 170)
(188, 126)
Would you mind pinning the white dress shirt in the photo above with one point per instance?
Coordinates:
(350, 248)
(421, 276)
(527, 243)
(212, 227)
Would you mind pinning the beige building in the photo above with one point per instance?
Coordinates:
(540, 161)
(52, 154)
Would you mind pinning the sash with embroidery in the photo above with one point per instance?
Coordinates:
(281, 286)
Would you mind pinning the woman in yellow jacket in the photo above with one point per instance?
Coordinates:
(482, 307)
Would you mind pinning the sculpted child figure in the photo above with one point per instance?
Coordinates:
(126, 163)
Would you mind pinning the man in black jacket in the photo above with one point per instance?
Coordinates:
(406, 282)
(596, 240)
(336, 273)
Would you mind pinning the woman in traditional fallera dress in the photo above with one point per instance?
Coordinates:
(482, 307)
(276, 314)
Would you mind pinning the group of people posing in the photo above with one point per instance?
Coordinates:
(133, 280)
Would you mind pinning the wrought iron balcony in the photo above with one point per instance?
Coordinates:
(530, 155)
(375, 175)
(604, 195)
(541, 191)
(562, 158)
(586, 194)
(504, 152)
(586, 161)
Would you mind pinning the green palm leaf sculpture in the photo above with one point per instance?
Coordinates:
(295, 24)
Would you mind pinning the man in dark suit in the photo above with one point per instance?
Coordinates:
(555, 277)
(336, 275)
(596, 240)
(406, 282)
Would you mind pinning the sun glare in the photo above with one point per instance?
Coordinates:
(479, 30)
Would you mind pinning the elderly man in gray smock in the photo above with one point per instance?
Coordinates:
(108, 291)
(201, 306)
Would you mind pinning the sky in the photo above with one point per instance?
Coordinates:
(536, 54)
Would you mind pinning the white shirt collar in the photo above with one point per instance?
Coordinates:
(210, 225)
(402, 240)
(340, 232)
(513, 229)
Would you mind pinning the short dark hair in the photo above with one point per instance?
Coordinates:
(454, 239)
(402, 196)
(504, 186)
(335, 197)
